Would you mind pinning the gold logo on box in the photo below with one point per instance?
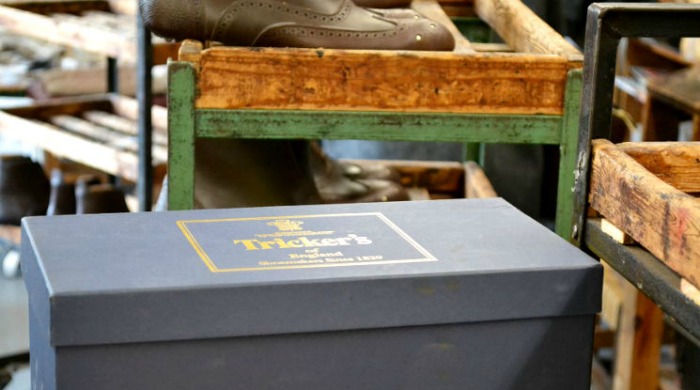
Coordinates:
(307, 241)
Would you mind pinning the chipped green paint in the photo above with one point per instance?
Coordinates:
(185, 121)
(565, 218)
(181, 124)
(380, 126)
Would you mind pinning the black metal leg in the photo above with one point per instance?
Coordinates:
(112, 75)
(145, 99)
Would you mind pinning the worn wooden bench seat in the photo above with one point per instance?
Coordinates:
(527, 93)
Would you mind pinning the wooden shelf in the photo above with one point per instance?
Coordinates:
(98, 131)
(647, 190)
(92, 26)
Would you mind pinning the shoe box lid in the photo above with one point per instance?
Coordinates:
(124, 278)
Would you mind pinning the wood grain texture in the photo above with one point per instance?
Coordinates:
(47, 7)
(523, 30)
(32, 124)
(639, 329)
(679, 88)
(661, 218)
(63, 144)
(477, 185)
(615, 233)
(676, 163)
(381, 80)
(96, 31)
(649, 324)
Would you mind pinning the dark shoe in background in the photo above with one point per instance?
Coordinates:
(62, 199)
(91, 198)
(332, 24)
(253, 173)
(63, 191)
(354, 183)
(24, 189)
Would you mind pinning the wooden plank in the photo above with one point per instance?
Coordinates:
(639, 325)
(129, 108)
(63, 144)
(680, 88)
(67, 31)
(122, 125)
(63, 106)
(432, 10)
(477, 185)
(381, 80)
(124, 7)
(491, 47)
(690, 291)
(614, 289)
(165, 51)
(118, 41)
(416, 193)
(47, 7)
(105, 135)
(59, 82)
(649, 325)
(615, 233)
(624, 343)
(676, 163)
(190, 51)
(523, 30)
(661, 218)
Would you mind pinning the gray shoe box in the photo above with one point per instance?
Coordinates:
(455, 294)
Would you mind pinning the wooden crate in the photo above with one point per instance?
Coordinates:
(649, 190)
(440, 179)
(93, 25)
(98, 131)
(526, 92)
(528, 77)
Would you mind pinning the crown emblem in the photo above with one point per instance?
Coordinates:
(286, 225)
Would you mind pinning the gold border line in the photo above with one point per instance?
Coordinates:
(276, 217)
(214, 269)
(200, 251)
(223, 270)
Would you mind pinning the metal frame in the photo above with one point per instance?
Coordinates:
(606, 25)
(144, 95)
(187, 123)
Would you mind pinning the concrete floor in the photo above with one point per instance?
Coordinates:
(14, 323)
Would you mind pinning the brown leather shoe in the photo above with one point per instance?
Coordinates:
(338, 24)
(24, 189)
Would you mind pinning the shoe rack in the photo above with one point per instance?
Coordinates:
(643, 203)
(526, 91)
(109, 28)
